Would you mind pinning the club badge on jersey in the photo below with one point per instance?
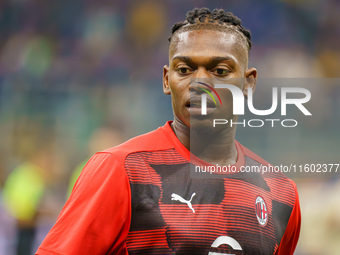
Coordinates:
(261, 211)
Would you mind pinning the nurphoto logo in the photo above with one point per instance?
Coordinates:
(239, 104)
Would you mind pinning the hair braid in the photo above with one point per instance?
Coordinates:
(219, 15)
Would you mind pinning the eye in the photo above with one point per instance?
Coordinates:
(183, 70)
(221, 71)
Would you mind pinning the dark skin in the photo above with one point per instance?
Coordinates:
(221, 57)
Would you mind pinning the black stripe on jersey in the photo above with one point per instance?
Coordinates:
(281, 214)
(252, 178)
(145, 214)
(176, 179)
(256, 243)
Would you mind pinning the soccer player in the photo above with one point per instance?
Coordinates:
(140, 197)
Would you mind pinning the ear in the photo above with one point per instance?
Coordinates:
(251, 75)
(166, 87)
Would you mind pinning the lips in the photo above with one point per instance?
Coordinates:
(196, 102)
(194, 106)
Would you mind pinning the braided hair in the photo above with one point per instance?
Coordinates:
(217, 19)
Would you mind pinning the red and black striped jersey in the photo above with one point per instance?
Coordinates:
(141, 197)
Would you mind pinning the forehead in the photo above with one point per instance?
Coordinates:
(207, 43)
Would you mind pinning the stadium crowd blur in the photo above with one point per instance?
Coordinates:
(75, 72)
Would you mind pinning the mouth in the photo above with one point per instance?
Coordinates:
(196, 102)
(194, 105)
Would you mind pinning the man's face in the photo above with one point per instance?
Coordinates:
(211, 57)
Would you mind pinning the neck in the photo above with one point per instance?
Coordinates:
(217, 148)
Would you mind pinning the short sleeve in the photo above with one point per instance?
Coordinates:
(291, 236)
(96, 217)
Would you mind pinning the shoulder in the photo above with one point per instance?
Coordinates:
(112, 161)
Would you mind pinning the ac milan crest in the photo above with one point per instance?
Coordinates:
(261, 211)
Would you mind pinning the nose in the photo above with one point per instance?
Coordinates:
(202, 73)
(200, 79)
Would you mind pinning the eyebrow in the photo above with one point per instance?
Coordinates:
(186, 59)
(212, 59)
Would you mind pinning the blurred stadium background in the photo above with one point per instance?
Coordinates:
(80, 76)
